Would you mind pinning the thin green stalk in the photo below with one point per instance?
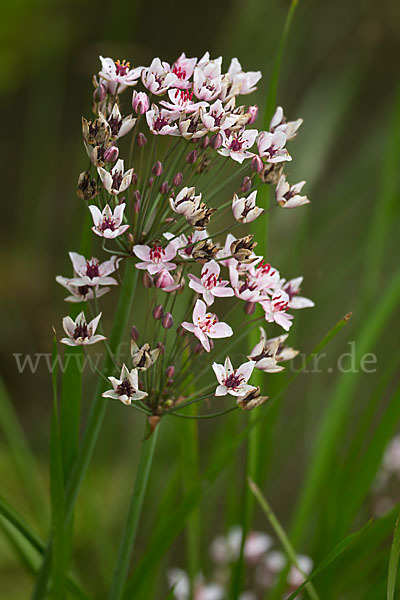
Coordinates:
(394, 561)
(135, 507)
(280, 533)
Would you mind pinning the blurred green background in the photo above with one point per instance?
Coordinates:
(340, 73)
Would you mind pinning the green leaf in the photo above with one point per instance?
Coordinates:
(394, 561)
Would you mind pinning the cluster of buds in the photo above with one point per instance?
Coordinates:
(264, 566)
(187, 128)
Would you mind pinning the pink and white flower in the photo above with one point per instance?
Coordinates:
(279, 123)
(288, 196)
(158, 78)
(185, 245)
(210, 284)
(120, 126)
(116, 181)
(81, 333)
(206, 325)
(81, 293)
(206, 83)
(186, 201)
(183, 68)
(233, 381)
(218, 117)
(166, 282)
(245, 209)
(244, 82)
(118, 74)
(292, 289)
(181, 101)
(108, 223)
(92, 272)
(160, 121)
(140, 102)
(271, 146)
(275, 309)
(268, 353)
(237, 144)
(126, 388)
(155, 258)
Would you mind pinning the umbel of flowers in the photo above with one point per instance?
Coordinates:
(175, 169)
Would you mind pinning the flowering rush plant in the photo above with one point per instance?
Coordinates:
(174, 188)
(175, 202)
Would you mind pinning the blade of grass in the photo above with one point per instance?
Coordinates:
(165, 532)
(22, 456)
(280, 533)
(337, 411)
(135, 507)
(260, 227)
(394, 561)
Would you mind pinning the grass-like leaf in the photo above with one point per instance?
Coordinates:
(394, 561)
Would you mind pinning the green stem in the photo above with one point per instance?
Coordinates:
(135, 508)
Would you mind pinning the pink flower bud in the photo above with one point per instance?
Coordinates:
(158, 312)
(205, 142)
(100, 93)
(137, 196)
(249, 308)
(164, 187)
(111, 154)
(141, 140)
(191, 157)
(134, 179)
(157, 169)
(253, 111)
(167, 321)
(170, 371)
(246, 184)
(150, 182)
(163, 279)
(198, 349)
(140, 102)
(147, 280)
(181, 331)
(216, 141)
(257, 164)
(136, 206)
(177, 180)
(134, 333)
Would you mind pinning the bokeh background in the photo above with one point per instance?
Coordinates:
(340, 73)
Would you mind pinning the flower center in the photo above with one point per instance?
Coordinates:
(208, 323)
(233, 381)
(115, 125)
(122, 68)
(279, 305)
(81, 331)
(83, 290)
(117, 179)
(108, 223)
(183, 97)
(92, 268)
(159, 123)
(179, 72)
(125, 388)
(236, 144)
(157, 253)
(209, 281)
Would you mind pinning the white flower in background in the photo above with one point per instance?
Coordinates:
(244, 82)
(271, 146)
(292, 288)
(279, 123)
(81, 293)
(296, 577)
(275, 309)
(233, 381)
(108, 223)
(210, 284)
(160, 121)
(126, 388)
(158, 78)
(245, 209)
(155, 258)
(118, 74)
(116, 181)
(92, 272)
(206, 325)
(237, 144)
(391, 458)
(120, 126)
(183, 68)
(81, 333)
(289, 196)
(186, 202)
(256, 545)
(179, 581)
